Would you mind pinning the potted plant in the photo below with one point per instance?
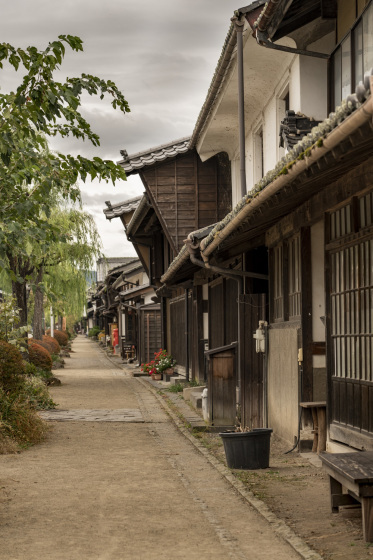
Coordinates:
(247, 449)
(161, 363)
(165, 362)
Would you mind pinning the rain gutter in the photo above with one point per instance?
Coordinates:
(264, 41)
(355, 120)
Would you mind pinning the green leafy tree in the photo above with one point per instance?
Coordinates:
(60, 274)
(43, 107)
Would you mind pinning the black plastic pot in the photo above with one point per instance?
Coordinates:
(247, 450)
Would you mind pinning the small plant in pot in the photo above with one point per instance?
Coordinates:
(161, 363)
(165, 362)
(247, 448)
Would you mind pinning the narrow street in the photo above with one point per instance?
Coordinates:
(116, 480)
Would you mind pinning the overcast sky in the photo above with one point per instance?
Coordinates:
(161, 54)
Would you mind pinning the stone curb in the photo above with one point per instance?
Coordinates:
(278, 525)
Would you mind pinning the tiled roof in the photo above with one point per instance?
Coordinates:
(312, 143)
(132, 163)
(121, 208)
(183, 255)
(293, 127)
(130, 264)
(142, 207)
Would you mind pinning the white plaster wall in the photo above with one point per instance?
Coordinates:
(148, 298)
(249, 162)
(283, 383)
(294, 85)
(270, 137)
(314, 90)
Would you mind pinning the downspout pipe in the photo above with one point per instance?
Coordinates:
(239, 27)
(187, 334)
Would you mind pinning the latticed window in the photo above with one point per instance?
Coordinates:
(352, 295)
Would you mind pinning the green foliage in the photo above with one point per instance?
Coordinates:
(39, 356)
(12, 370)
(40, 107)
(35, 391)
(61, 273)
(33, 370)
(19, 422)
(177, 388)
(94, 331)
(10, 331)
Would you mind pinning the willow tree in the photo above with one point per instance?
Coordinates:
(60, 275)
(43, 107)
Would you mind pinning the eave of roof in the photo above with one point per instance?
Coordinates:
(221, 70)
(121, 208)
(123, 267)
(349, 116)
(137, 290)
(139, 214)
(133, 163)
(353, 113)
(121, 280)
(183, 255)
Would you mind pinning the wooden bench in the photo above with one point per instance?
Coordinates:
(319, 424)
(354, 473)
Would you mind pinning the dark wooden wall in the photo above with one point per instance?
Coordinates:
(179, 345)
(188, 194)
(223, 306)
(253, 310)
(150, 335)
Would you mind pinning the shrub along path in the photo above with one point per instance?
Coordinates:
(121, 489)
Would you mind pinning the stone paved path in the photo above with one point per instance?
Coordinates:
(121, 490)
(97, 415)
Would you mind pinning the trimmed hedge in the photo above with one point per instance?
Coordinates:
(60, 336)
(12, 369)
(39, 356)
(52, 343)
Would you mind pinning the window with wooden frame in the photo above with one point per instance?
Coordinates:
(294, 277)
(352, 58)
(287, 280)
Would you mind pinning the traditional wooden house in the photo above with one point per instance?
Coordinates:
(182, 194)
(305, 222)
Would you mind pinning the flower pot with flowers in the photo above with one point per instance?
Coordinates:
(165, 362)
(162, 362)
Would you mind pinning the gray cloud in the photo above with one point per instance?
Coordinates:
(162, 55)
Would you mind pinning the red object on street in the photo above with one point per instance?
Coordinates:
(115, 337)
